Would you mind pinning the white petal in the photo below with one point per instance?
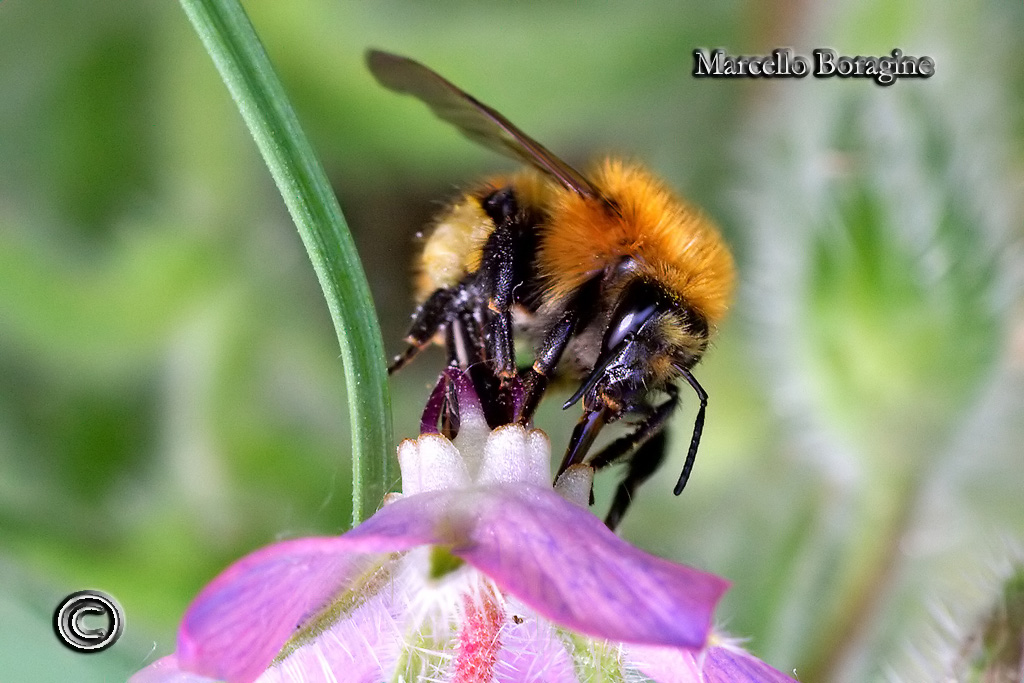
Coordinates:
(575, 485)
(539, 455)
(512, 455)
(472, 437)
(431, 463)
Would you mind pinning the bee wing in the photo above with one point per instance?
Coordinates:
(475, 119)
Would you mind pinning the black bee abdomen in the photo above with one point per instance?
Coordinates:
(501, 205)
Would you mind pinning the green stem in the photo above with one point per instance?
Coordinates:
(242, 62)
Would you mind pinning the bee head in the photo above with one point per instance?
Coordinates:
(637, 350)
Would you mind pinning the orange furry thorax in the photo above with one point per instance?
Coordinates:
(672, 242)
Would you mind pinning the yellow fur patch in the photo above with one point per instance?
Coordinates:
(673, 242)
(453, 247)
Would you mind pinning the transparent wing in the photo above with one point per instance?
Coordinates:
(475, 119)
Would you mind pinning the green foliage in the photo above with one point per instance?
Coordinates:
(1000, 644)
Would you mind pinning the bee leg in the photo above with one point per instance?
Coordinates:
(495, 401)
(651, 425)
(506, 263)
(463, 340)
(583, 436)
(645, 448)
(427, 320)
(466, 351)
(644, 462)
(497, 279)
(442, 408)
(450, 416)
(535, 379)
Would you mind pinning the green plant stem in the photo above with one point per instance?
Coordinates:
(231, 41)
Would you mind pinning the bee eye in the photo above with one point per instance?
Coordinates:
(629, 322)
(636, 306)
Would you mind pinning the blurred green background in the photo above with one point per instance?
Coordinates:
(171, 395)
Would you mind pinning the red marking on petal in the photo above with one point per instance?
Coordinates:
(479, 640)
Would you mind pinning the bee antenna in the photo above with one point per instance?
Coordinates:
(698, 428)
(584, 388)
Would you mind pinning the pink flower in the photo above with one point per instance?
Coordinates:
(478, 572)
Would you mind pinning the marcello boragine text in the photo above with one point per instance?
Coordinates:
(823, 63)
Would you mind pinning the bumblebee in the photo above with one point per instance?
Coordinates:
(617, 283)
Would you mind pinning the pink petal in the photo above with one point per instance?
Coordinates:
(239, 622)
(717, 664)
(564, 563)
(362, 647)
(532, 651)
(666, 664)
(555, 557)
(727, 664)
